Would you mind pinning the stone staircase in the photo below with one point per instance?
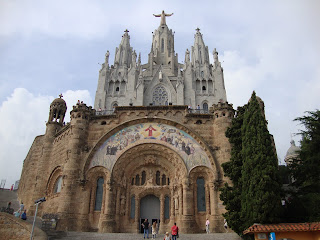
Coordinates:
(134, 236)
(11, 196)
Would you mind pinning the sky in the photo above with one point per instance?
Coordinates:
(52, 47)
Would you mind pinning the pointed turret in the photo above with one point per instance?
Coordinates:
(200, 53)
(124, 52)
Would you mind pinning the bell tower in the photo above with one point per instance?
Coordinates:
(57, 113)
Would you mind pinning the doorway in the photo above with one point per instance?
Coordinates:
(149, 209)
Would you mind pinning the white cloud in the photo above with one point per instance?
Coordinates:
(23, 116)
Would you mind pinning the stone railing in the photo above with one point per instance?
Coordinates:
(104, 112)
(198, 111)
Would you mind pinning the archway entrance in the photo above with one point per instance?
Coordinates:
(149, 209)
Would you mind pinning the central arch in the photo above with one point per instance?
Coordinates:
(149, 208)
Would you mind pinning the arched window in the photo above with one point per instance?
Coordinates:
(133, 206)
(143, 177)
(163, 179)
(158, 178)
(204, 88)
(99, 194)
(201, 195)
(205, 106)
(137, 180)
(162, 45)
(202, 74)
(57, 185)
(117, 89)
(160, 96)
(166, 207)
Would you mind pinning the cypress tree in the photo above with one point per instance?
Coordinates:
(261, 189)
(254, 196)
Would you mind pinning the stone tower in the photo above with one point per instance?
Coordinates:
(162, 80)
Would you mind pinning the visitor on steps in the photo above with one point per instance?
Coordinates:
(24, 215)
(174, 231)
(154, 229)
(145, 226)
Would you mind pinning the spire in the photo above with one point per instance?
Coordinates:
(200, 53)
(215, 57)
(123, 56)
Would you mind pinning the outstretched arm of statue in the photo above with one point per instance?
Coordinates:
(157, 15)
(167, 14)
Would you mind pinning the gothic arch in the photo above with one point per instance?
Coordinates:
(55, 174)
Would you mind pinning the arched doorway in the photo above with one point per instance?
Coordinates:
(149, 208)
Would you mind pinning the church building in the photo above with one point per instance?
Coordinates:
(151, 148)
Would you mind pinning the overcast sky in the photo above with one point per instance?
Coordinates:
(53, 47)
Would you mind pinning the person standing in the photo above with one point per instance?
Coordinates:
(24, 215)
(145, 226)
(207, 226)
(225, 224)
(154, 229)
(174, 231)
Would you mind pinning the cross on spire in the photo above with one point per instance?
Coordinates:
(126, 31)
(60, 95)
(198, 29)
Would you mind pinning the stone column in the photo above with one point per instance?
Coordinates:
(117, 215)
(180, 201)
(172, 207)
(215, 217)
(137, 213)
(207, 199)
(161, 229)
(188, 222)
(107, 221)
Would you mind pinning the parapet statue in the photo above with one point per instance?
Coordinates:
(163, 16)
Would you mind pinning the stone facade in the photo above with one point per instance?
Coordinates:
(162, 80)
(106, 171)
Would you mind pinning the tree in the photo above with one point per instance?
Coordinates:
(261, 188)
(306, 168)
(255, 196)
(230, 195)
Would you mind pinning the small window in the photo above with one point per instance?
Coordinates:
(117, 89)
(57, 186)
(204, 88)
(205, 106)
(137, 180)
(143, 177)
(163, 179)
(158, 178)
(99, 194)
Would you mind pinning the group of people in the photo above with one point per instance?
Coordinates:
(21, 212)
(154, 229)
(174, 229)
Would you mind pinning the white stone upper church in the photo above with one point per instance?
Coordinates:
(162, 80)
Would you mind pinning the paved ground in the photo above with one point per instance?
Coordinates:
(132, 236)
(7, 195)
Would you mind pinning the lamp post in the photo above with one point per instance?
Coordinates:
(37, 202)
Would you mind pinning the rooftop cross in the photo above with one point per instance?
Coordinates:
(60, 95)
(126, 31)
(198, 29)
(163, 16)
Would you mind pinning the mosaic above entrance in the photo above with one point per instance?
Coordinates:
(181, 142)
